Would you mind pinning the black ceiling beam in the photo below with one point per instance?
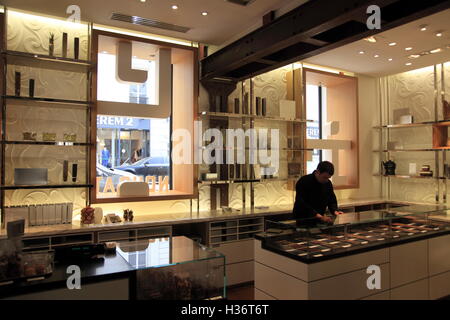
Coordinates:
(312, 28)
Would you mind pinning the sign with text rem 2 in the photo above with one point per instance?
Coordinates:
(113, 103)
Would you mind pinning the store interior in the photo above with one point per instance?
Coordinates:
(105, 116)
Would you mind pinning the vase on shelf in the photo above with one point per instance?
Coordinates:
(51, 45)
(389, 167)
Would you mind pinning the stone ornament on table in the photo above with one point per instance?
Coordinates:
(128, 215)
(98, 215)
(87, 215)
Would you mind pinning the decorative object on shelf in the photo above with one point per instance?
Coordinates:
(64, 45)
(245, 104)
(446, 111)
(49, 136)
(258, 106)
(112, 218)
(98, 215)
(425, 171)
(50, 214)
(294, 169)
(236, 105)
(287, 109)
(31, 88)
(128, 215)
(412, 169)
(51, 46)
(87, 215)
(256, 171)
(65, 170)
(29, 136)
(399, 113)
(76, 48)
(406, 119)
(30, 176)
(264, 107)
(389, 167)
(70, 137)
(208, 176)
(133, 189)
(226, 209)
(17, 84)
(74, 172)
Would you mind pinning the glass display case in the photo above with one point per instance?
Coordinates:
(309, 241)
(175, 268)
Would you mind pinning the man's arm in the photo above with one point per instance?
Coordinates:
(332, 201)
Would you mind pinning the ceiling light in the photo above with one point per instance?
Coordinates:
(436, 50)
(174, 7)
(204, 13)
(390, 59)
(439, 34)
(414, 56)
(392, 44)
(371, 39)
(376, 56)
(143, 1)
(408, 49)
(361, 52)
(423, 27)
(408, 63)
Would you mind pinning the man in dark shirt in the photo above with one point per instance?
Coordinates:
(314, 193)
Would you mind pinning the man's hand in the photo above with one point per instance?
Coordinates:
(338, 212)
(323, 218)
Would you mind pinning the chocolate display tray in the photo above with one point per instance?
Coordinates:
(338, 241)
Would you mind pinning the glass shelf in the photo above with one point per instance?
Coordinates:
(48, 186)
(238, 116)
(409, 176)
(417, 124)
(49, 143)
(42, 57)
(49, 100)
(412, 150)
(245, 180)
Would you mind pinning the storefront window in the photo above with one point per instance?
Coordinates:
(132, 149)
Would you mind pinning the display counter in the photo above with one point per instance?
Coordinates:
(162, 268)
(409, 245)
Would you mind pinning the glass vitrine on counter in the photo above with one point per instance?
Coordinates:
(351, 233)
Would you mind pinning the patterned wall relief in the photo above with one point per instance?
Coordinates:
(49, 83)
(49, 157)
(22, 118)
(415, 190)
(29, 33)
(413, 90)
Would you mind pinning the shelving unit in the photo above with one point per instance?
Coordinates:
(438, 140)
(234, 230)
(42, 63)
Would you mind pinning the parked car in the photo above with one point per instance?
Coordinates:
(105, 172)
(150, 166)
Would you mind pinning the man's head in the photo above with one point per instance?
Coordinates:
(324, 171)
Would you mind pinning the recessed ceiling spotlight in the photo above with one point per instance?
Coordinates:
(408, 63)
(204, 13)
(174, 7)
(390, 59)
(436, 50)
(414, 56)
(143, 1)
(371, 39)
(361, 52)
(392, 44)
(439, 34)
(408, 49)
(423, 27)
(376, 56)
(104, 51)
